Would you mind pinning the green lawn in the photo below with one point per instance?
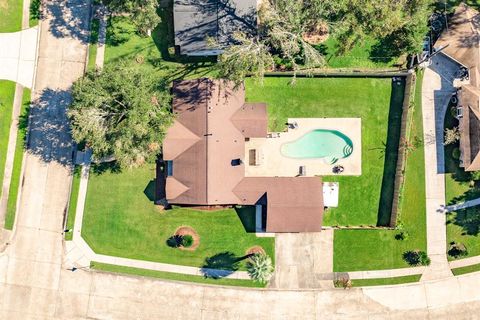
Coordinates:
(385, 281)
(372, 100)
(92, 48)
(121, 220)
(464, 270)
(11, 15)
(18, 160)
(173, 276)
(378, 249)
(362, 56)
(7, 93)
(154, 53)
(463, 227)
(72, 205)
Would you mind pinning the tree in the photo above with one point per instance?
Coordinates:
(142, 12)
(121, 111)
(451, 135)
(260, 268)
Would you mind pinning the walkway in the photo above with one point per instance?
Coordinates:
(102, 36)
(436, 92)
(463, 205)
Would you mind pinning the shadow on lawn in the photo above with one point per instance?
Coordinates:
(391, 153)
(221, 265)
(246, 214)
(468, 219)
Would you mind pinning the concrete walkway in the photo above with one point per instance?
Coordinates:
(102, 36)
(436, 92)
(12, 142)
(463, 205)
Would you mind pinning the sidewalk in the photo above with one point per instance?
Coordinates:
(463, 205)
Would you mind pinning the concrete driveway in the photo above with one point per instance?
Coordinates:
(17, 56)
(302, 260)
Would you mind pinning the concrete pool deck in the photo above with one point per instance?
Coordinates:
(269, 161)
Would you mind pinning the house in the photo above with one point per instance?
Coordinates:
(206, 27)
(204, 153)
(462, 46)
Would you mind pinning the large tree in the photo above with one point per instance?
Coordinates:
(121, 111)
(142, 12)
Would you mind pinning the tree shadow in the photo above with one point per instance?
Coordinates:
(221, 265)
(468, 219)
(387, 49)
(101, 168)
(69, 19)
(49, 133)
(391, 152)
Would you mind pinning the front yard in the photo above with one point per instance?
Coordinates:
(120, 219)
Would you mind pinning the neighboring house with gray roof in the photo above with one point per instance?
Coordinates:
(195, 21)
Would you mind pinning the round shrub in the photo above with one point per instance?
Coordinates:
(174, 241)
(260, 268)
(187, 241)
(456, 153)
(457, 250)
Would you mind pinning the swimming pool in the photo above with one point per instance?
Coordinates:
(329, 145)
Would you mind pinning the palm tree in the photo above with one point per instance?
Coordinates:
(260, 268)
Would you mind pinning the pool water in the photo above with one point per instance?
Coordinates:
(329, 145)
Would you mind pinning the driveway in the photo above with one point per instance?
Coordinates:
(436, 92)
(303, 259)
(17, 56)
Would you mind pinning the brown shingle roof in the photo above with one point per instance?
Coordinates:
(294, 204)
(204, 109)
(462, 40)
(252, 120)
(469, 98)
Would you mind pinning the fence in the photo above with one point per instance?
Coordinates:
(402, 150)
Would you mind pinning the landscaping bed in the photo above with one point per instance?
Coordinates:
(120, 219)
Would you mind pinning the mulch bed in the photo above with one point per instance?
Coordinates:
(184, 231)
(254, 250)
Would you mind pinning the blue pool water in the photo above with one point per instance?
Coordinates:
(329, 145)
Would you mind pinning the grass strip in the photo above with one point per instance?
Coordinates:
(18, 160)
(467, 269)
(72, 206)
(174, 276)
(92, 49)
(385, 281)
(7, 94)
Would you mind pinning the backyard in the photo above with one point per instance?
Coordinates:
(121, 220)
(366, 199)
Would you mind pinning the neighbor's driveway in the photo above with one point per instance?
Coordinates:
(17, 56)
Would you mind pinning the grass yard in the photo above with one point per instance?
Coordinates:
(72, 205)
(376, 102)
(10, 15)
(378, 249)
(385, 281)
(467, 269)
(154, 53)
(121, 220)
(92, 48)
(463, 227)
(367, 55)
(18, 160)
(7, 93)
(173, 276)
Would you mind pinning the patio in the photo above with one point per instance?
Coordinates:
(264, 157)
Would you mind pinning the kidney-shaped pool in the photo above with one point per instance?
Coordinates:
(329, 145)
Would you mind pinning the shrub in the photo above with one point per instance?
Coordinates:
(415, 258)
(35, 12)
(457, 250)
(187, 241)
(260, 268)
(402, 235)
(175, 241)
(343, 282)
(456, 153)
